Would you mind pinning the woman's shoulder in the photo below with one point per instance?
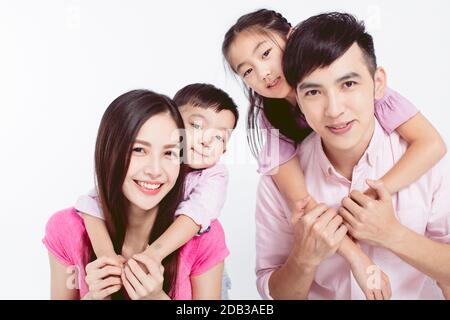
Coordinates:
(65, 235)
(65, 221)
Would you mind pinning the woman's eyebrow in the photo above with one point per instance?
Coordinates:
(254, 50)
(145, 143)
(148, 144)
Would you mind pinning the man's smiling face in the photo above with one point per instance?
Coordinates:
(338, 101)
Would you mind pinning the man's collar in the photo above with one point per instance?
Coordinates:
(370, 156)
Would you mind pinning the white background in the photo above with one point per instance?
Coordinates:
(63, 62)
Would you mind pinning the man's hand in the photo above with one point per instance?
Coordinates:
(318, 234)
(369, 220)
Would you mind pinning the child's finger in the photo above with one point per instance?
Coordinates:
(380, 188)
(151, 264)
(377, 294)
(101, 262)
(370, 295)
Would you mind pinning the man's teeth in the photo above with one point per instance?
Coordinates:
(148, 185)
(340, 127)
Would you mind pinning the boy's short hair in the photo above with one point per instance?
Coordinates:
(206, 96)
(320, 40)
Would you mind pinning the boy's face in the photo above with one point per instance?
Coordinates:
(207, 133)
(338, 101)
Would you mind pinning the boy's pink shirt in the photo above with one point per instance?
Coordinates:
(204, 196)
(67, 240)
(391, 111)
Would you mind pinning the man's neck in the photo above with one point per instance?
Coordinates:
(345, 160)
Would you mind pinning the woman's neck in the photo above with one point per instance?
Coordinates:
(140, 225)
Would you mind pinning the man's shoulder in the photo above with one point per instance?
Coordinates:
(268, 195)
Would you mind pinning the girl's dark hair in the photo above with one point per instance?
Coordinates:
(206, 96)
(319, 40)
(118, 129)
(279, 112)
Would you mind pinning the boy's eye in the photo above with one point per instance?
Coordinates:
(196, 126)
(349, 84)
(266, 53)
(247, 72)
(312, 93)
(219, 138)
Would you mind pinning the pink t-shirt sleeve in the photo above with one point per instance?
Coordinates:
(276, 150)
(89, 204)
(55, 238)
(67, 240)
(211, 249)
(206, 200)
(65, 236)
(393, 110)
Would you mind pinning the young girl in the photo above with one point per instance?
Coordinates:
(253, 48)
(138, 145)
(204, 109)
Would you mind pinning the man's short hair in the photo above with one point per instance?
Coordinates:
(320, 40)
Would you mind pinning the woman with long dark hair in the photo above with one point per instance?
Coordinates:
(140, 180)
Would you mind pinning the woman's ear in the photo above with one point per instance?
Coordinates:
(291, 30)
(380, 80)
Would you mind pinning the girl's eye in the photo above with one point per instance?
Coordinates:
(349, 84)
(266, 53)
(196, 126)
(247, 72)
(312, 93)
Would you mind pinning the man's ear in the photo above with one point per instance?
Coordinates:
(380, 80)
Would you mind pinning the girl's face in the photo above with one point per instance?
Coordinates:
(154, 164)
(257, 59)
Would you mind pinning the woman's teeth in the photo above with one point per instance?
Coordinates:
(149, 185)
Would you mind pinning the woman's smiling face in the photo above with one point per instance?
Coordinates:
(154, 163)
